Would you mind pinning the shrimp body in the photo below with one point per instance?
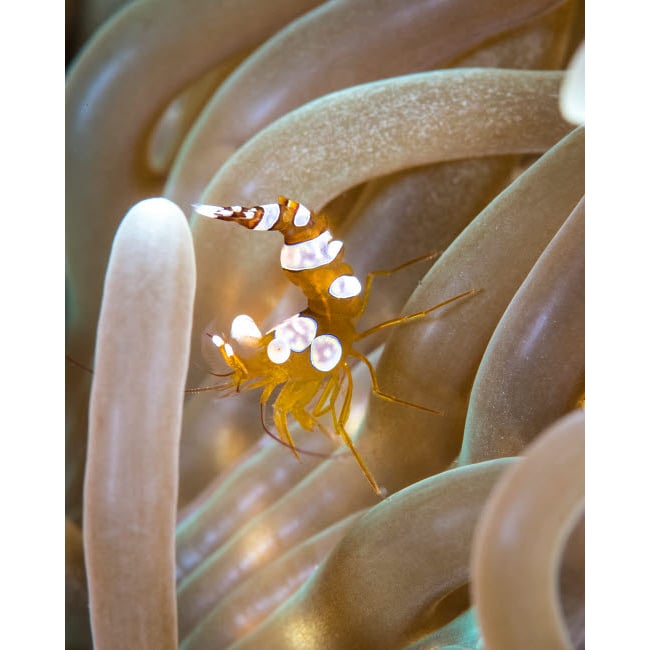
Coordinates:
(305, 358)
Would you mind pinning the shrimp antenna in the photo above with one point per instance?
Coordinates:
(207, 389)
(201, 389)
(210, 372)
(74, 362)
(220, 374)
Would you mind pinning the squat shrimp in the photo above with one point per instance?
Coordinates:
(306, 356)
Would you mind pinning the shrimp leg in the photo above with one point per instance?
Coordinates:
(405, 319)
(340, 429)
(386, 396)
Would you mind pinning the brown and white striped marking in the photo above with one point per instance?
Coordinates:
(262, 217)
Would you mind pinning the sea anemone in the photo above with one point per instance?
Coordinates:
(422, 127)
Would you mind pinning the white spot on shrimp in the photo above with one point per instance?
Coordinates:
(345, 286)
(302, 216)
(228, 350)
(236, 208)
(249, 214)
(269, 216)
(334, 247)
(326, 352)
(278, 351)
(297, 332)
(311, 254)
(217, 340)
(245, 331)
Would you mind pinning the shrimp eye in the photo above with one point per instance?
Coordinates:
(217, 340)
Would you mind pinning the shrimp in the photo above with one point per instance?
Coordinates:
(303, 363)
